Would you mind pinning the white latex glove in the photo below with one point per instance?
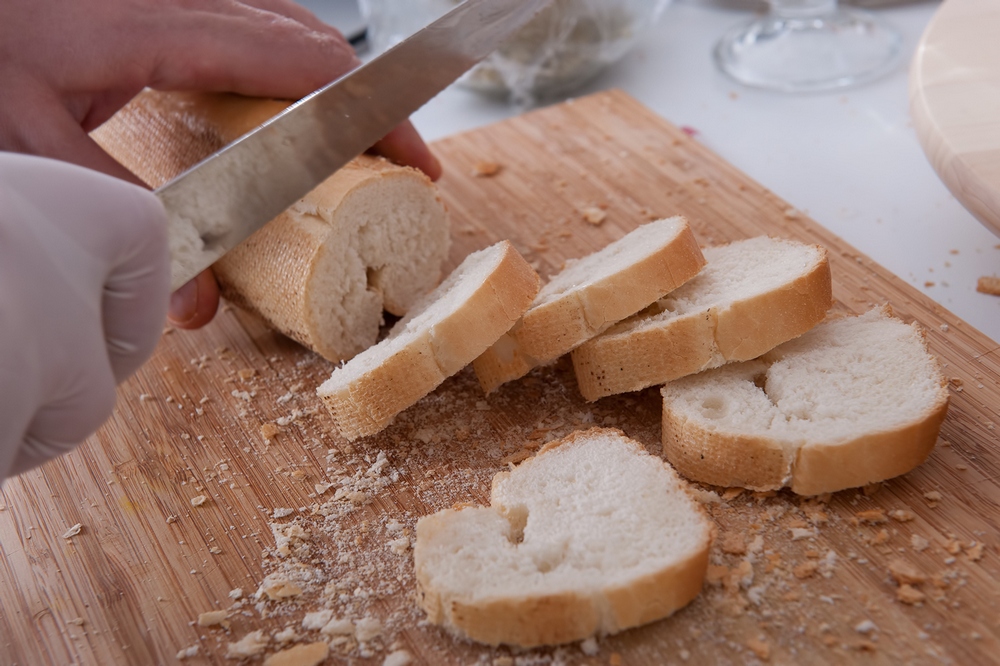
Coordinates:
(84, 288)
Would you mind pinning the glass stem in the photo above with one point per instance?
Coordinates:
(802, 8)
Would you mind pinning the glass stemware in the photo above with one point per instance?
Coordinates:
(809, 45)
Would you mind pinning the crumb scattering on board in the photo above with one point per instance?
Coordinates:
(486, 169)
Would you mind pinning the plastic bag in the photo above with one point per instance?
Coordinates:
(565, 46)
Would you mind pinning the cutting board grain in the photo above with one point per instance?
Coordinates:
(793, 581)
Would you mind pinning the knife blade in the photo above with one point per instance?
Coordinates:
(223, 199)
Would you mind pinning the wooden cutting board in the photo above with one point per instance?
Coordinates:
(147, 561)
(955, 103)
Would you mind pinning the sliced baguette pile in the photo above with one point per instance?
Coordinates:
(372, 237)
(591, 295)
(751, 296)
(590, 537)
(854, 401)
(439, 336)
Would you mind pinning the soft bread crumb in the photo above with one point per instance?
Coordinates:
(73, 531)
(198, 500)
(309, 654)
(251, 645)
(760, 647)
(594, 215)
(188, 652)
(905, 573)
(211, 618)
(398, 658)
(910, 595)
(486, 169)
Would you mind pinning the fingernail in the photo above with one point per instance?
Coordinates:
(184, 303)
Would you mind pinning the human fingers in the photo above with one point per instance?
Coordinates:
(292, 10)
(52, 131)
(403, 145)
(263, 54)
(195, 304)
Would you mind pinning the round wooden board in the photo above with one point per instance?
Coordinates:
(955, 102)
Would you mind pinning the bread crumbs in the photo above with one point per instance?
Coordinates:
(212, 618)
(398, 658)
(73, 531)
(308, 654)
(198, 500)
(251, 645)
(486, 169)
(902, 515)
(988, 285)
(594, 215)
(760, 647)
(910, 595)
(906, 573)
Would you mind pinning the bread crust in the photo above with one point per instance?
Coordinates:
(553, 328)
(366, 404)
(555, 618)
(615, 363)
(275, 272)
(824, 468)
(757, 462)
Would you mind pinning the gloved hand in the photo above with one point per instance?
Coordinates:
(84, 288)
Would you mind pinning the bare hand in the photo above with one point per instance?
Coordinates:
(66, 67)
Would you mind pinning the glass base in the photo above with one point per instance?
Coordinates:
(805, 54)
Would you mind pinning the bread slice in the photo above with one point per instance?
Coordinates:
(751, 296)
(372, 237)
(591, 294)
(591, 536)
(440, 335)
(854, 401)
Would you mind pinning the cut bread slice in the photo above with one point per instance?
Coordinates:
(372, 237)
(440, 335)
(854, 401)
(589, 537)
(751, 296)
(592, 294)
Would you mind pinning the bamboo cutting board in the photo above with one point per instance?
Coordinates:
(182, 501)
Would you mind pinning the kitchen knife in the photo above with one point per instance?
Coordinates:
(222, 200)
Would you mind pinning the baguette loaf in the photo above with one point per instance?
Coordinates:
(592, 294)
(751, 296)
(372, 237)
(591, 536)
(440, 335)
(854, 401)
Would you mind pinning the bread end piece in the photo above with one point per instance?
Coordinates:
(370, 238)
(443, 333)
(592, 294)
(531, 571)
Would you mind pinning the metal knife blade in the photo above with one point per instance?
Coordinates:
(223, 199)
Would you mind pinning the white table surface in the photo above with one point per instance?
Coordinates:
(848, 159)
